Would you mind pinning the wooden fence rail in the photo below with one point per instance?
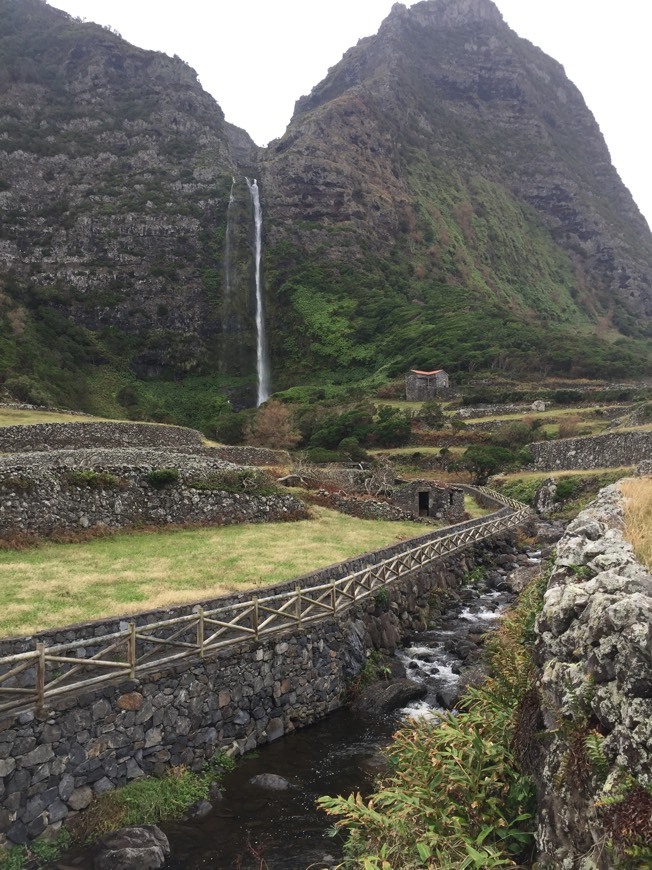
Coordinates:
(33, 678)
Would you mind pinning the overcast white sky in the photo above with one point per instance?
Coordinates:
(258, 56)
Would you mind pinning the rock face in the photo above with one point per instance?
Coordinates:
(594, 649)
(443, 169)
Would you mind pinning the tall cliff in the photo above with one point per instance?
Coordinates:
(459, 199)
(114, 184)
(444, 197)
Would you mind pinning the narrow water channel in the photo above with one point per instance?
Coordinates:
(338, 755)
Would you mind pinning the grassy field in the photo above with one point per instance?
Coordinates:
(638, 516)
(16, 417)
(59, 584)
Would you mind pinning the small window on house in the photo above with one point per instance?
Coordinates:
(424, 504)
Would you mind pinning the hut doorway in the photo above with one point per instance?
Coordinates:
(424, 504)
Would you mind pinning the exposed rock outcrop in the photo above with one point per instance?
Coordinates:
(596, 687)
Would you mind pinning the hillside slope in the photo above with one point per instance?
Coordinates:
(450, 190)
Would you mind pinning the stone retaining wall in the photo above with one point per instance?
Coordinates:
(42, 493)
(610, 450)
(593, 644)
(249, 455)
(54, 762)
(56, 436)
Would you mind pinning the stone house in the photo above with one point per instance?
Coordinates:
(424, 498)
(424, 386)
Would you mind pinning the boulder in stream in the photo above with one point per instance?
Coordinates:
(383, 697)
(135, 848)
(271, 781)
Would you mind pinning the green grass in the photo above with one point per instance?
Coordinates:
(58, 584)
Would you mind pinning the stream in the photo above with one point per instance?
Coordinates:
(338, 755)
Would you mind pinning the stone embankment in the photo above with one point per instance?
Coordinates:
(593, 644)
(46, 492)
(610, 450)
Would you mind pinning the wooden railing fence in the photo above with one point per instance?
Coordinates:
(46, 673)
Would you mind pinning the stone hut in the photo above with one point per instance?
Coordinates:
(424, 386)
(424, 498)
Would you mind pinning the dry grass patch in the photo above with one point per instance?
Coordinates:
(638, 516)
(16, 417)
(59, 584)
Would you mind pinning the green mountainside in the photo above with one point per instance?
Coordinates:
(443, 198)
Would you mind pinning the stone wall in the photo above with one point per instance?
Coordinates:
(496, 410)
(593, 645)
(57, 436)
(54, 762)
(249, 455)
(599, 451)
(42, 493)
(444, 502)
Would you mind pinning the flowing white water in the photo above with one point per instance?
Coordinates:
(262, 364)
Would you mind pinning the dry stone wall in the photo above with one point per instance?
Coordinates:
(599, 451)
(41, 493)
(593, 642)
(57, 436)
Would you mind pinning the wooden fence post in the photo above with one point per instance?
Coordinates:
(333, 597)
(40, 675)
(200, 632)
(254, 617)
(297, 592)
(132, 650)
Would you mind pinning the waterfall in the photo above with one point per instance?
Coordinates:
(262, 364)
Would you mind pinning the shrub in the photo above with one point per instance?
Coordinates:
(456, 796)
(94, 479)
(273, 426)
(566, 397)
(431, 414)
(485, 460)
(350, 447)
(163, 477)
(319, 455)
(569, 428)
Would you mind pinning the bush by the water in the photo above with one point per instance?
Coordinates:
(458, 795)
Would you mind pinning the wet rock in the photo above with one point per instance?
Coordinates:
(270, 781)
(142, 848)
(200, 810)
(383, 697)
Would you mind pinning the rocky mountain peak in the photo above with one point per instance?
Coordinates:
(446, 13)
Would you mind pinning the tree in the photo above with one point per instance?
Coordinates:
(273, 426)
(431, 414)
(485, 460)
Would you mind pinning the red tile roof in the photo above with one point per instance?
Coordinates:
(417, 372)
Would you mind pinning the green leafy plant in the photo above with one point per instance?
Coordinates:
(160, 478)
(456, 796)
